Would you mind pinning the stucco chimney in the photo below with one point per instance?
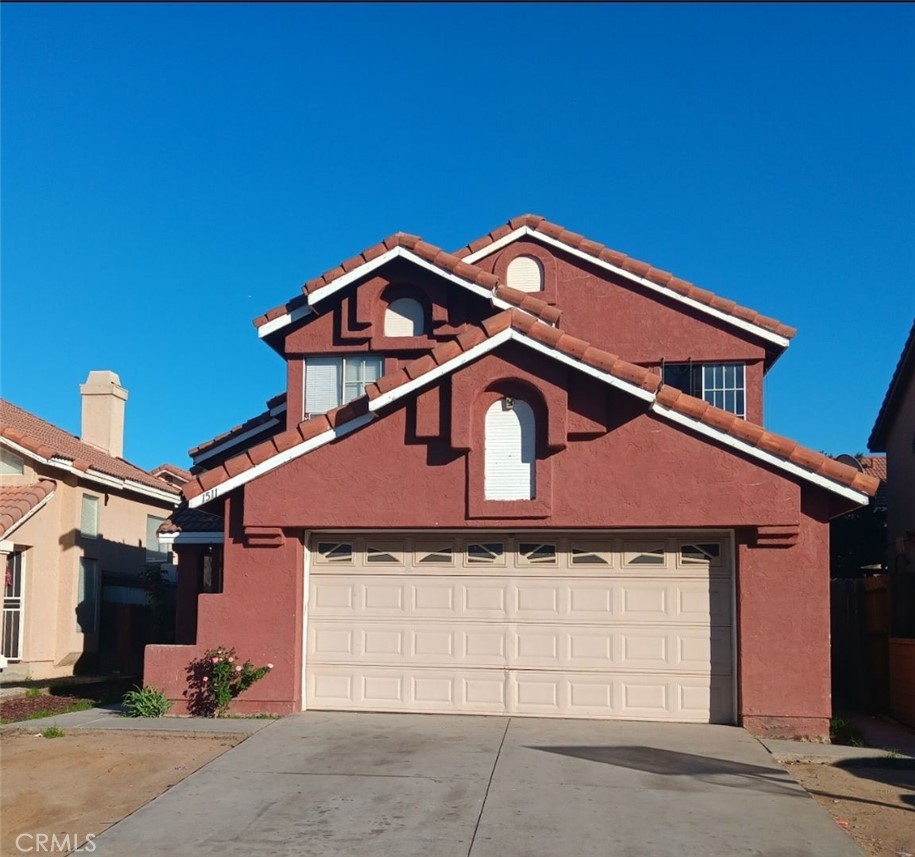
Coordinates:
(103, 412)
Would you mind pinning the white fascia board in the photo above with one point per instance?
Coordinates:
(279, 459)
(28, 515)
(606, 377)
(66, 464)
(440, 371)
(234, 441)
(282, 320)
(726, 439)
(526, 231)
(192, 538)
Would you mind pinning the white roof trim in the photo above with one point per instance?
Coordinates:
(28, 515)
(482, 348)
(366, 268)
(527, 232)
(279, 459)
(192, 538)
(726, 439)
(234, 441)
(66, 464)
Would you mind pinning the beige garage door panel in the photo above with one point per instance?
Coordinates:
(503, 645)
(641, 632)
(380, 594)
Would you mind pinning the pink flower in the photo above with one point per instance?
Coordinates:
(238, 669)
(206, 679)
(215, 660)
(231, 660)
(269, 666)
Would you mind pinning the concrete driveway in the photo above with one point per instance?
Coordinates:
(361, 785)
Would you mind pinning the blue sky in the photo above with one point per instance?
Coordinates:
(170, 171)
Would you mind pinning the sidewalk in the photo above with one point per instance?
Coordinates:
(107, 719)
(887, 739)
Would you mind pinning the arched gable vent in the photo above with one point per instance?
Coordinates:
(510, 450)
(525, 273)
(404, 317)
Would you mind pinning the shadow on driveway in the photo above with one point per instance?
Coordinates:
(673, 763)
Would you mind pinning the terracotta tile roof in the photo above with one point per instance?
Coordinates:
(260, 419)
(185, 520)
(902, 375)
(875, 465)
(645, 379)
(438, 257)
(16, 501)
(633, 266)
(173, 470)
(49, 441)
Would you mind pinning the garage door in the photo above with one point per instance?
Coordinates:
(616, 626)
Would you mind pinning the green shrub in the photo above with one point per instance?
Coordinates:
(217, 678)
(33, 693)
(145, 702)
(52, 732)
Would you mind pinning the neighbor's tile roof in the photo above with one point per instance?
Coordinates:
(633, 266)
(16, 501)
(894, 394)
(185, 520)
(646, 379)
(875, 465)
(173, 469)
(49, 441)
(447, 262)
(260, 419)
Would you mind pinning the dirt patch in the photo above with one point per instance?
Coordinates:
(84, 782)
(877, 800)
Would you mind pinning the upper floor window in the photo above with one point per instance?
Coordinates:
(525, 273)
(720, 384)
(509, 450)
(156, 551)
(88, 518)
(334, 381)
(10, 465)
(404, 317)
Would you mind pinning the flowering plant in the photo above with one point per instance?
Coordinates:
(216, 678)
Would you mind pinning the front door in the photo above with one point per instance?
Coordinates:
(12, 607)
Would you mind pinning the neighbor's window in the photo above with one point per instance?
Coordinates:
(156, 551)
(87, 596)
(10, 465)
(525, 273)
(404, 317)
(88, 519)
(720, 384)
(334, 381)
(509, 450)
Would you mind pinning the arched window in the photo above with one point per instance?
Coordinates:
(510, 450)
(404, 317)
(525, 273)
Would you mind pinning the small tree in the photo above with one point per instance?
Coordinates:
(215, 679)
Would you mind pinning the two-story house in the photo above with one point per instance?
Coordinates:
(78, 526)
(525, 478)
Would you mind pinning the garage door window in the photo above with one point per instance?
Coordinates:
(584, 554)
(706, 553)
(485, 553)
(384, 554)
(434, 553)
(644, 555)
(535, 553)
(335, 552)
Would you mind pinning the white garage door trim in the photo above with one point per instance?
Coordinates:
(519, 678)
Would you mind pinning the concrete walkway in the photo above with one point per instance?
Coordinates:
(322, 784)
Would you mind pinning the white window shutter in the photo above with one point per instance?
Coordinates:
(525, 274)
(404, 317)
(510, 451)
(322, 384)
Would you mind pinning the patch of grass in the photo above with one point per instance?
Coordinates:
(146, 702)
(52, 732)
(82, 705)
(33, 693)
(841, 731)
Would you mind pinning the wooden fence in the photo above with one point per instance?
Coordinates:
(865, 614)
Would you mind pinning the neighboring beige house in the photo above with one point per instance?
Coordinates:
(77, 527)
